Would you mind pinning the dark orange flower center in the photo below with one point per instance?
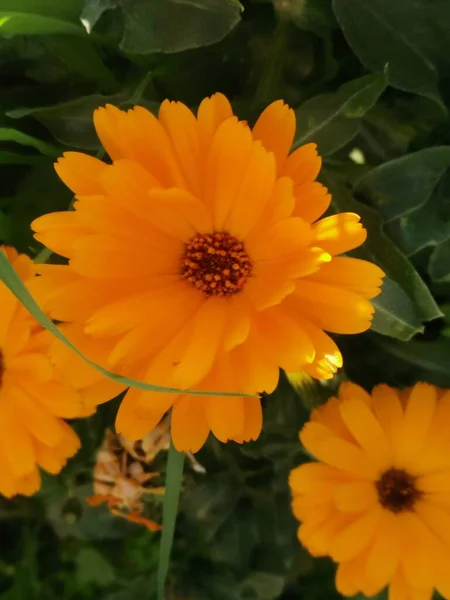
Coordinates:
(216, 263)
(397, 490)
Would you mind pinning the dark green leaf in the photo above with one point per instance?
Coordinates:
(398, 33)
(332, 120)
(17, 23)
(81, 56)
(175, 25)
(69, 10)
(93, 10)
(439, 265)
(13, 135)
(405, 184)
(92, 567)
(312, 15)
(174, 477)
(395, 314)
(71, 123)
(262, 586)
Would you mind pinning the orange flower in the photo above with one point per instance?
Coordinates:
(378, 500)
(33, 399)
(198, 255)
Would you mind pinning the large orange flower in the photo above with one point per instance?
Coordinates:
(198, 254)
(378, 500)
(32, 397)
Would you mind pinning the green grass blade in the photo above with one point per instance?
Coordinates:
(174, 478)
(12, 281)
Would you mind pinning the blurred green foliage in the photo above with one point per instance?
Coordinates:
(370, 83)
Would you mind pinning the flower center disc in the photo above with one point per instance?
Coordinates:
(397, 490)
(216, 263)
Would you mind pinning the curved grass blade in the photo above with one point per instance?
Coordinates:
(174, 477)
(13, 282)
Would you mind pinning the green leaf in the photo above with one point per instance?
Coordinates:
(412, 195)
(174, 477)
(395, 314)
(333, 120)
(381, 250)
(314, 16)
(13, 282)
(262, 586)
(17, 23)
(71, 123)
(439, 265)
(68, 10)
(403, 185)
(169, 25)
(398, 33)
(81, 56)
(13, 135)
(430, 357)
(93, 568)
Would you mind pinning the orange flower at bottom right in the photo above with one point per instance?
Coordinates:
(378, 499)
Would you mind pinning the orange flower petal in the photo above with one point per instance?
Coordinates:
(189, 425)
(339, 233)
(275, 128)
(80, 172)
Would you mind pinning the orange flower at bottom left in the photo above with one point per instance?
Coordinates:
(34, 395)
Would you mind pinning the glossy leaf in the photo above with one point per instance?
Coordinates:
(332, 120)
(398, 33)
(13, 135)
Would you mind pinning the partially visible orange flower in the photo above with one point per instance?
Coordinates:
(378, 500)
(33, 399)
(199, 257)
(122, 482)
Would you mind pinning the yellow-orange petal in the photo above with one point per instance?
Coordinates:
(418, 417)
(331, 308)
(355, 275)
(157, 157)
(365, 428)
(328, 358)
(15, 440)
(226, 167)
(384, 554)
(182, 128)
(59, 231)
(356, 496)
(303, 165)
(275, 128)
(140, 412)
(253, 419)
(80, 172)
(108, 123)
(254, 193)
(189, 425)
(353, 539)
(285, 339)
(311, 201)
(336, 452)
(339, 233)
(225, 417)
(211, 113)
